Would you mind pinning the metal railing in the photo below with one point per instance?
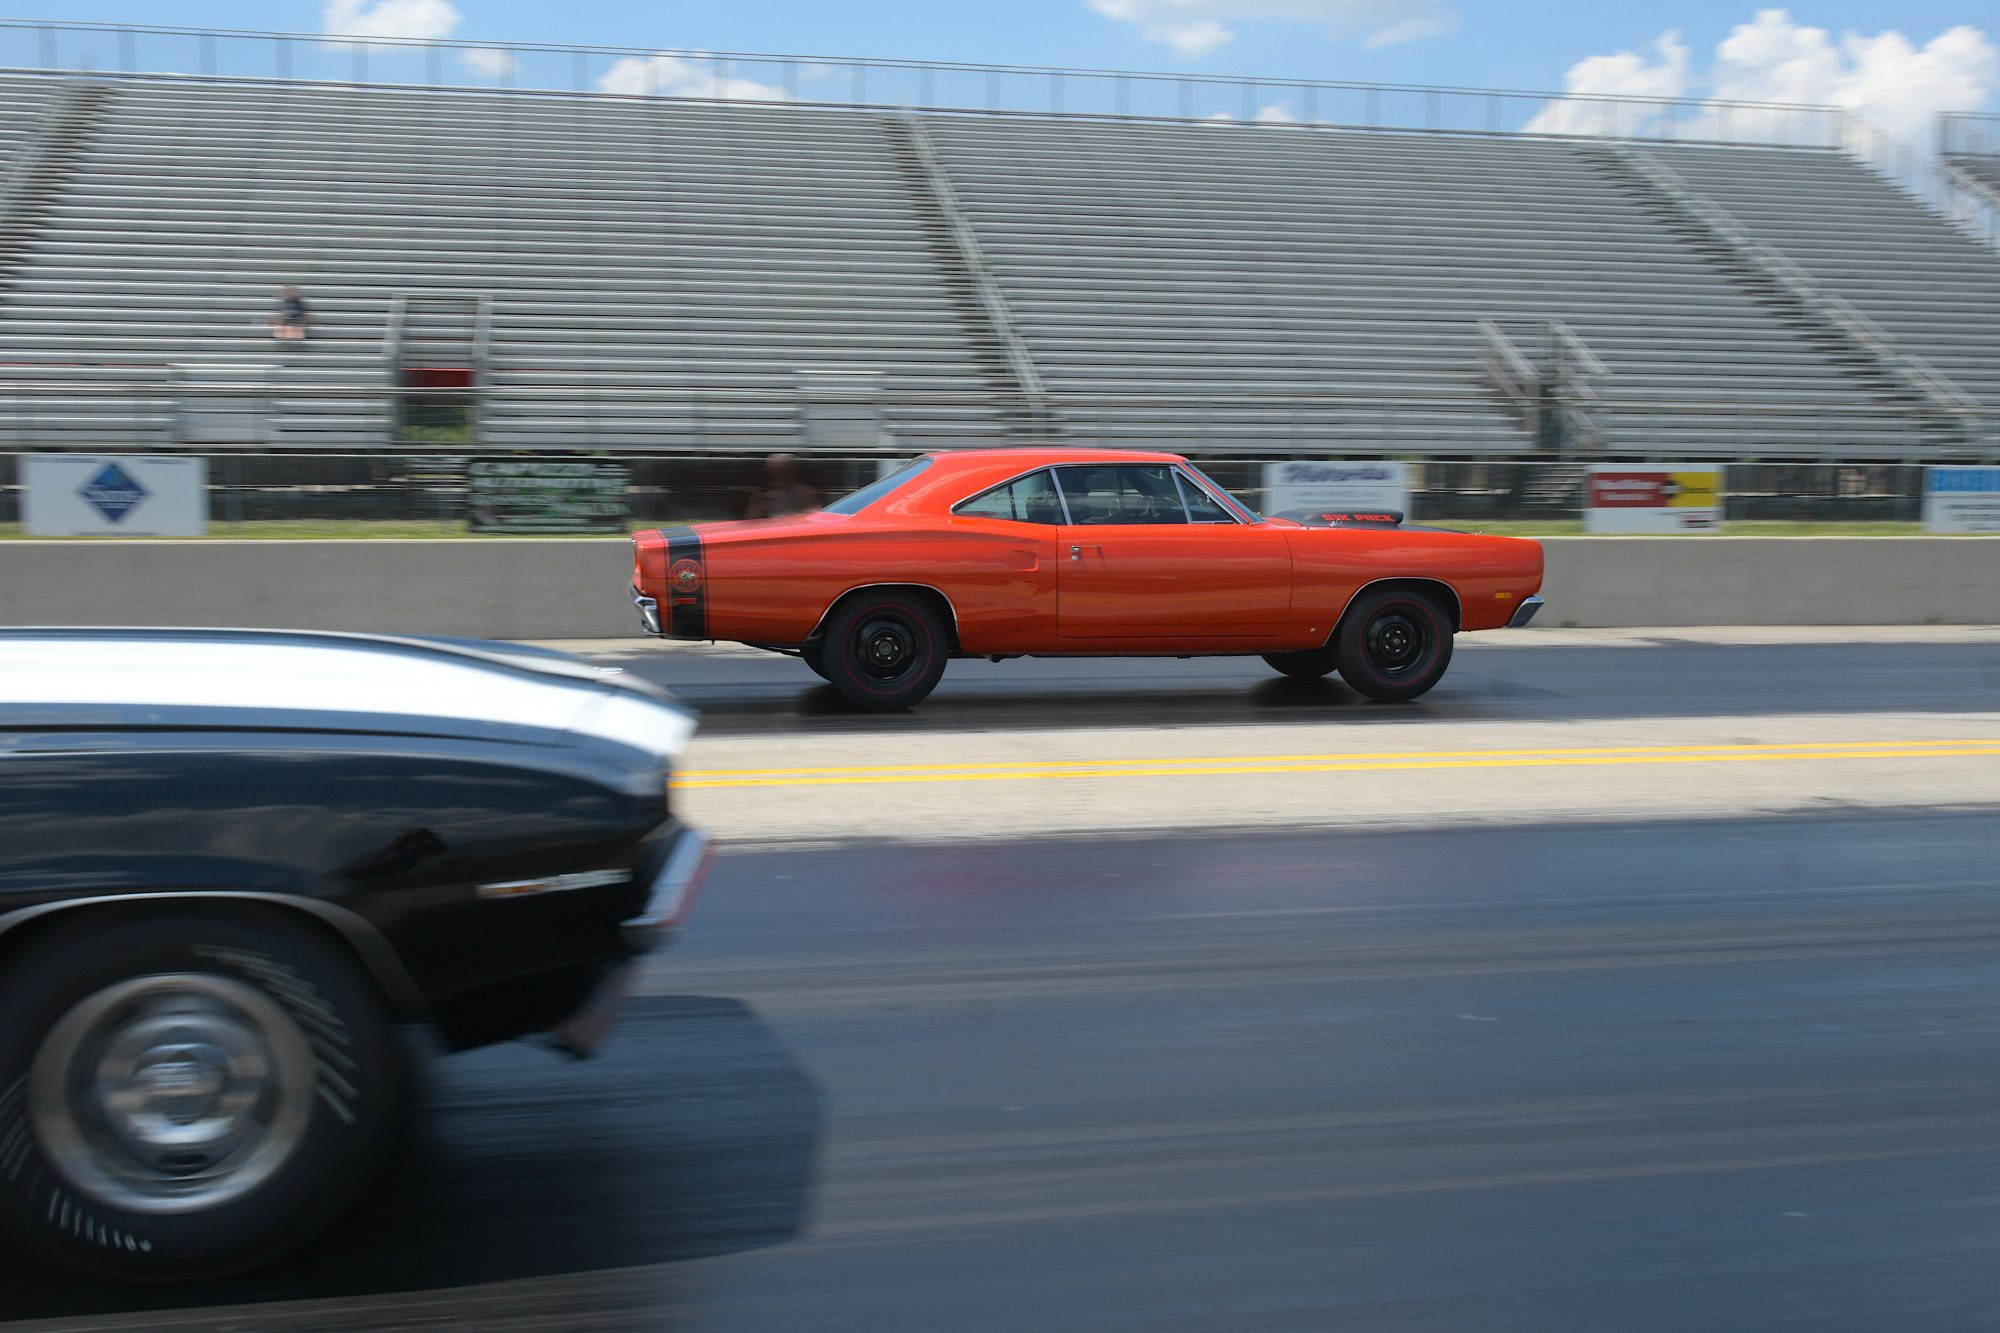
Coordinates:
(132, 50)
(1557, 396)
(43, 136)
(1935, 393)
(84, 414)
(992, 302)
(1928, 178)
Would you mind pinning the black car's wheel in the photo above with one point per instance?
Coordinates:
(884, 651)
(1394, 644)
(188, 1095)
(1308, 665)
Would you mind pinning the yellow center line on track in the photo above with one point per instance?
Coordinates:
(1253, 765)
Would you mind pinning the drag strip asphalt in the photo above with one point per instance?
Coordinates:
(1636, 983)
(1734, 1074)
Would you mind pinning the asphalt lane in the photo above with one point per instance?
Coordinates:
(1717, 1074)
(1525, 675)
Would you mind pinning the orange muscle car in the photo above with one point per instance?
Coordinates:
(1079, 552)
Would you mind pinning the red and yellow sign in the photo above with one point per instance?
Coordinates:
(1628, 498)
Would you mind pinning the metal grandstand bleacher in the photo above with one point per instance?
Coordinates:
(670, 273)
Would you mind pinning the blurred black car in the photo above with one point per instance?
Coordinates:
(233, 862)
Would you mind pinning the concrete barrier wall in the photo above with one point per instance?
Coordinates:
(1616, 581)
(560, 588)
(492, 587)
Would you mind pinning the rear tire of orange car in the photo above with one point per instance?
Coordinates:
(1394, 644)
(812, 657)
(883, 651)
(1309, 665)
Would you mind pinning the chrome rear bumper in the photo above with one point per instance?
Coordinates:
(649, 612)
(1522, 613)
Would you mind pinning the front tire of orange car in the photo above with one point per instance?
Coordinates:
(1394, 644)
(1308, 665)
(883, 652)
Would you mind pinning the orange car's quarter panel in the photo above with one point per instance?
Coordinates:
(1491, 575)
(1201, 586)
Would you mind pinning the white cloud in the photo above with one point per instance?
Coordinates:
(1888, 78)
(491, 61)
(414, 19)
(1272, 113)
(693, 74)
(1622, 74)
(1196, 27)
(1412, 30)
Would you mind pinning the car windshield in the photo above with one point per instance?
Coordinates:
(1244, 511)
(868, 495)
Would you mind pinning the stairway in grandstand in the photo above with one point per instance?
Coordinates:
(667, 275)
(668, 271)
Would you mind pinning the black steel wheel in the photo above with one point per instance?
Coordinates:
(1311, 664)
(884, 651)
(186, 1094)
(1394, 644)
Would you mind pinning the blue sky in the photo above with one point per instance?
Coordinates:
(1532, 44)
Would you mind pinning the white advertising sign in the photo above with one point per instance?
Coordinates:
(113, 495)
(1653, 498)
(1962, 499)
(1335, 485)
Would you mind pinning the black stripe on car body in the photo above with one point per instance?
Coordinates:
(687, 609)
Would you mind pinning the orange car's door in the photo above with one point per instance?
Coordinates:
(1131, 565)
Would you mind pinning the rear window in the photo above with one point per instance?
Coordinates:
(868, 495)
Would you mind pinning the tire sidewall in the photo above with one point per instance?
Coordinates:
(856, 686)
(1309, 664)
(1358, 671)
(356, 1101)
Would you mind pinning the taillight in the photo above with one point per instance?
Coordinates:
(649, 560)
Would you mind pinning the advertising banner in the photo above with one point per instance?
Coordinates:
(113, 495)
(1653, 498)
(1335, 485)
(537, 495)
(1962, 499)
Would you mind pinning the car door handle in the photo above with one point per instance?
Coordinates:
(1076, 552)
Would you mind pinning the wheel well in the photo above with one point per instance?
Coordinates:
(1437, 588)
(939, 603)
(371, 954)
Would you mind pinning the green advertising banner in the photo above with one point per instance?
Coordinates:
(547, 496)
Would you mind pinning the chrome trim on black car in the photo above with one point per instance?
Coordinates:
(671, 893)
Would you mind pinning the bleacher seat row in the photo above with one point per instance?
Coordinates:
(661, 274)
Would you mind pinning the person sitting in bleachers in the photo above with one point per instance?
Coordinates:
(288, 322)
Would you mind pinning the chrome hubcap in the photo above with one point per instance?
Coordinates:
(172, 1093)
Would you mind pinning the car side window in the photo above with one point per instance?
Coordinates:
(1201, 506)
(1029, 499)
(1103, 495)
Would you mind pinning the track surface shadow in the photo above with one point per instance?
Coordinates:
(739, 694)
(694, 1134)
